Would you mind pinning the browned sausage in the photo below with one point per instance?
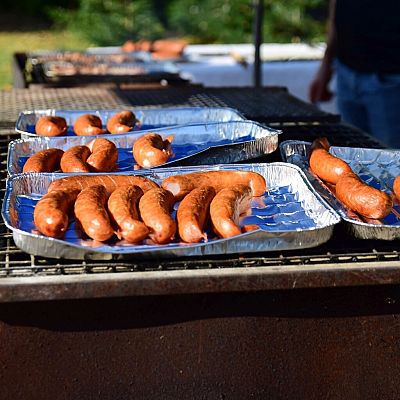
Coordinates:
(155, 209)
(181, 185)
(151, 150)
(44, 161)
(110, 182)
(325, 165)
(88, 124)
(90, 211)
(51, 212)
(104, 155)
(192, 214)
(74, 159)
(362, 198)
(50, 125)
(123, 206)
(227, 206)
(121, 122)
(396, 187)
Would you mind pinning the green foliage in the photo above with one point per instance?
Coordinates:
(110, 22)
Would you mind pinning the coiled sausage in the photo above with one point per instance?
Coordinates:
(122, 122)
(104, 155)
(88, 124)
(51, 125)
(151, 150)
(74, 159)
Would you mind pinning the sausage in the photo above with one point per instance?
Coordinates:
(90, 211)
(74, 159)
(123, 206)
(104, 155)
(192, 214)
(44, 161)
(181, 185)
(325, 165)
(88, 124)
(110, 182)
(396, 187)
(121, 122)
(362, 198)
(151, 150)
(51, 125)
(227, 206)
(155, 207)
(51, 212)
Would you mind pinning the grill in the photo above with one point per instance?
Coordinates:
(295, 324)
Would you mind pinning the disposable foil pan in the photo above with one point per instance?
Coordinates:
(213, 143)
(376, 167)
(150, 118)
(289, 216)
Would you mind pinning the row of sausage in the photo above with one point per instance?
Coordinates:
(135, 207)
(86, 124)
(100, 155)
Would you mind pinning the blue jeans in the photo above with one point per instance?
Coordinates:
(370, 102)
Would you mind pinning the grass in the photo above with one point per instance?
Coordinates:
(26, 41)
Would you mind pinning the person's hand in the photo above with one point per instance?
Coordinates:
(319, 88)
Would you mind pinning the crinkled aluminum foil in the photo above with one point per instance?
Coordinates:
(290, 215)
(198, 144)
(376, 167)
(148, 118)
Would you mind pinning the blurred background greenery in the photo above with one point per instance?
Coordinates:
(27, 25)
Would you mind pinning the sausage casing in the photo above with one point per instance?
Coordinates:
(123, 206)
(362, 198)
(396, 187)
(51, 125)
(227, 206)
(51, 212)
(181, 185)
(110, 182)
(151, 150)
(122, 122)
(88, 124)
(155, 210)
(90, 211)
(192, 214)
(44, 161)
(74, 159)
(104, 155)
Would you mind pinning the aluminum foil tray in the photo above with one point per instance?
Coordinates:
(213, 143)
(376, 167)
(289, 215)
(150, 118)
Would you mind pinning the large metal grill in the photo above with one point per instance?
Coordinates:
(336, 258)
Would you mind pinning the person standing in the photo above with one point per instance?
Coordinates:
(363, 49)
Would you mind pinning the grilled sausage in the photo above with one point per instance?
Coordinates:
(181, 185)
(51, 212)
(151, 150)
(50, 125)
(192, 214)
(325, 165)
(88, 124)
(155, 209)
(74, 159)
(44, 161)
(362, 198)
(121, 122)
(123, 206)
(227, 206)
(396, 187)
(90, 211)
(104, 155)
(110, 182)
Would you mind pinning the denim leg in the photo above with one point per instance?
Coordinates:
(381, 96)
(350, 107)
